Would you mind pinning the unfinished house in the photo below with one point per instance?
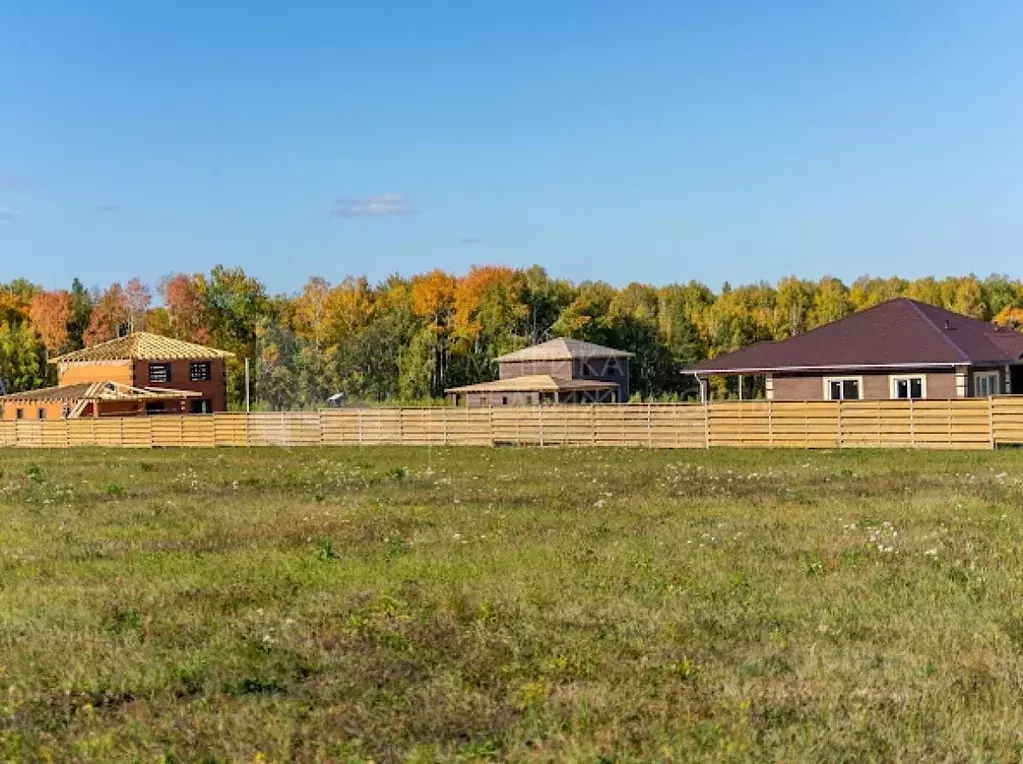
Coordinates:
(139, 374)
(558, 371)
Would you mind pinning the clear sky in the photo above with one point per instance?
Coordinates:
(650, 141)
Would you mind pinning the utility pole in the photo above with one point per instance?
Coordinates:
(246, 385)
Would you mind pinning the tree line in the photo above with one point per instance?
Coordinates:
(405, 340)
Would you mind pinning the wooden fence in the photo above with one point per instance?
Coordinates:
(959, 424)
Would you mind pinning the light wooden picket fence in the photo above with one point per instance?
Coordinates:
(958, 424)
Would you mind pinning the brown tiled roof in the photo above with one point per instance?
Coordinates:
(533, 383)
(897, 333)
(107, 391)
(142, 346)
(563, 349)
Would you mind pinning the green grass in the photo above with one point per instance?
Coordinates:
(510, 604)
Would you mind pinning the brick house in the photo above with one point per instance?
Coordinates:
(558, 371)
(900, 349)
(138, 374)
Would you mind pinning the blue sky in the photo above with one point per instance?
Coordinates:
(622, 141)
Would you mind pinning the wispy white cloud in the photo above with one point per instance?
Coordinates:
(107, 209)
(381, 205)
(470, 240)
(9, 216)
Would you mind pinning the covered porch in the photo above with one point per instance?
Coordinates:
(533, 390)
(94, 399)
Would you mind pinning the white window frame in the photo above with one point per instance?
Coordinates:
(829, 380)
(894, 379)
(979, 375)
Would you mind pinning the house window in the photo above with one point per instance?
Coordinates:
(843, 388)
(202, 407)
(985, 383)
(41, 413)
(155, 407)
(19, 413)
(504, 400)
(159, 372)
(908, 388)
(612, 368)
(200, 372)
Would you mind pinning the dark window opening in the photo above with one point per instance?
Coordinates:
(19, 413)
(504, 400)
(909, 388)
(202, 407)
(159, 373)
(200, 372)
(844, 390)
(156, 407)
(41, 413)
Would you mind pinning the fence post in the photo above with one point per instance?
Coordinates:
(649, 426)
(991, 420)
(706, 424)
(912, 424)
(841, 432)
(540, 412)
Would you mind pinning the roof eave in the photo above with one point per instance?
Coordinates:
(838, 367)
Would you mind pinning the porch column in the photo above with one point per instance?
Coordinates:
(740, 387)
(769, 387)
(962, 382)
(1008, 379)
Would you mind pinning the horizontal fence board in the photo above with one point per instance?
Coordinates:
(970, 423)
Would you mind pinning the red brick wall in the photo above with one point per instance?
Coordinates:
(214, 391)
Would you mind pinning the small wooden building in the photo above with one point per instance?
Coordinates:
(558, 371)
(138, 374)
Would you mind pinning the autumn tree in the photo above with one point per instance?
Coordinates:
(182, 295)
(109, 318)
(235, 304)
(831, 302)
(433, 301)
(793, 305)
(138, 298)
(51, 313)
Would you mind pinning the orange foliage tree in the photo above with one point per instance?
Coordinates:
(50, 313)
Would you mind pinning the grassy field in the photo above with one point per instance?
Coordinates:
(511, 604)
